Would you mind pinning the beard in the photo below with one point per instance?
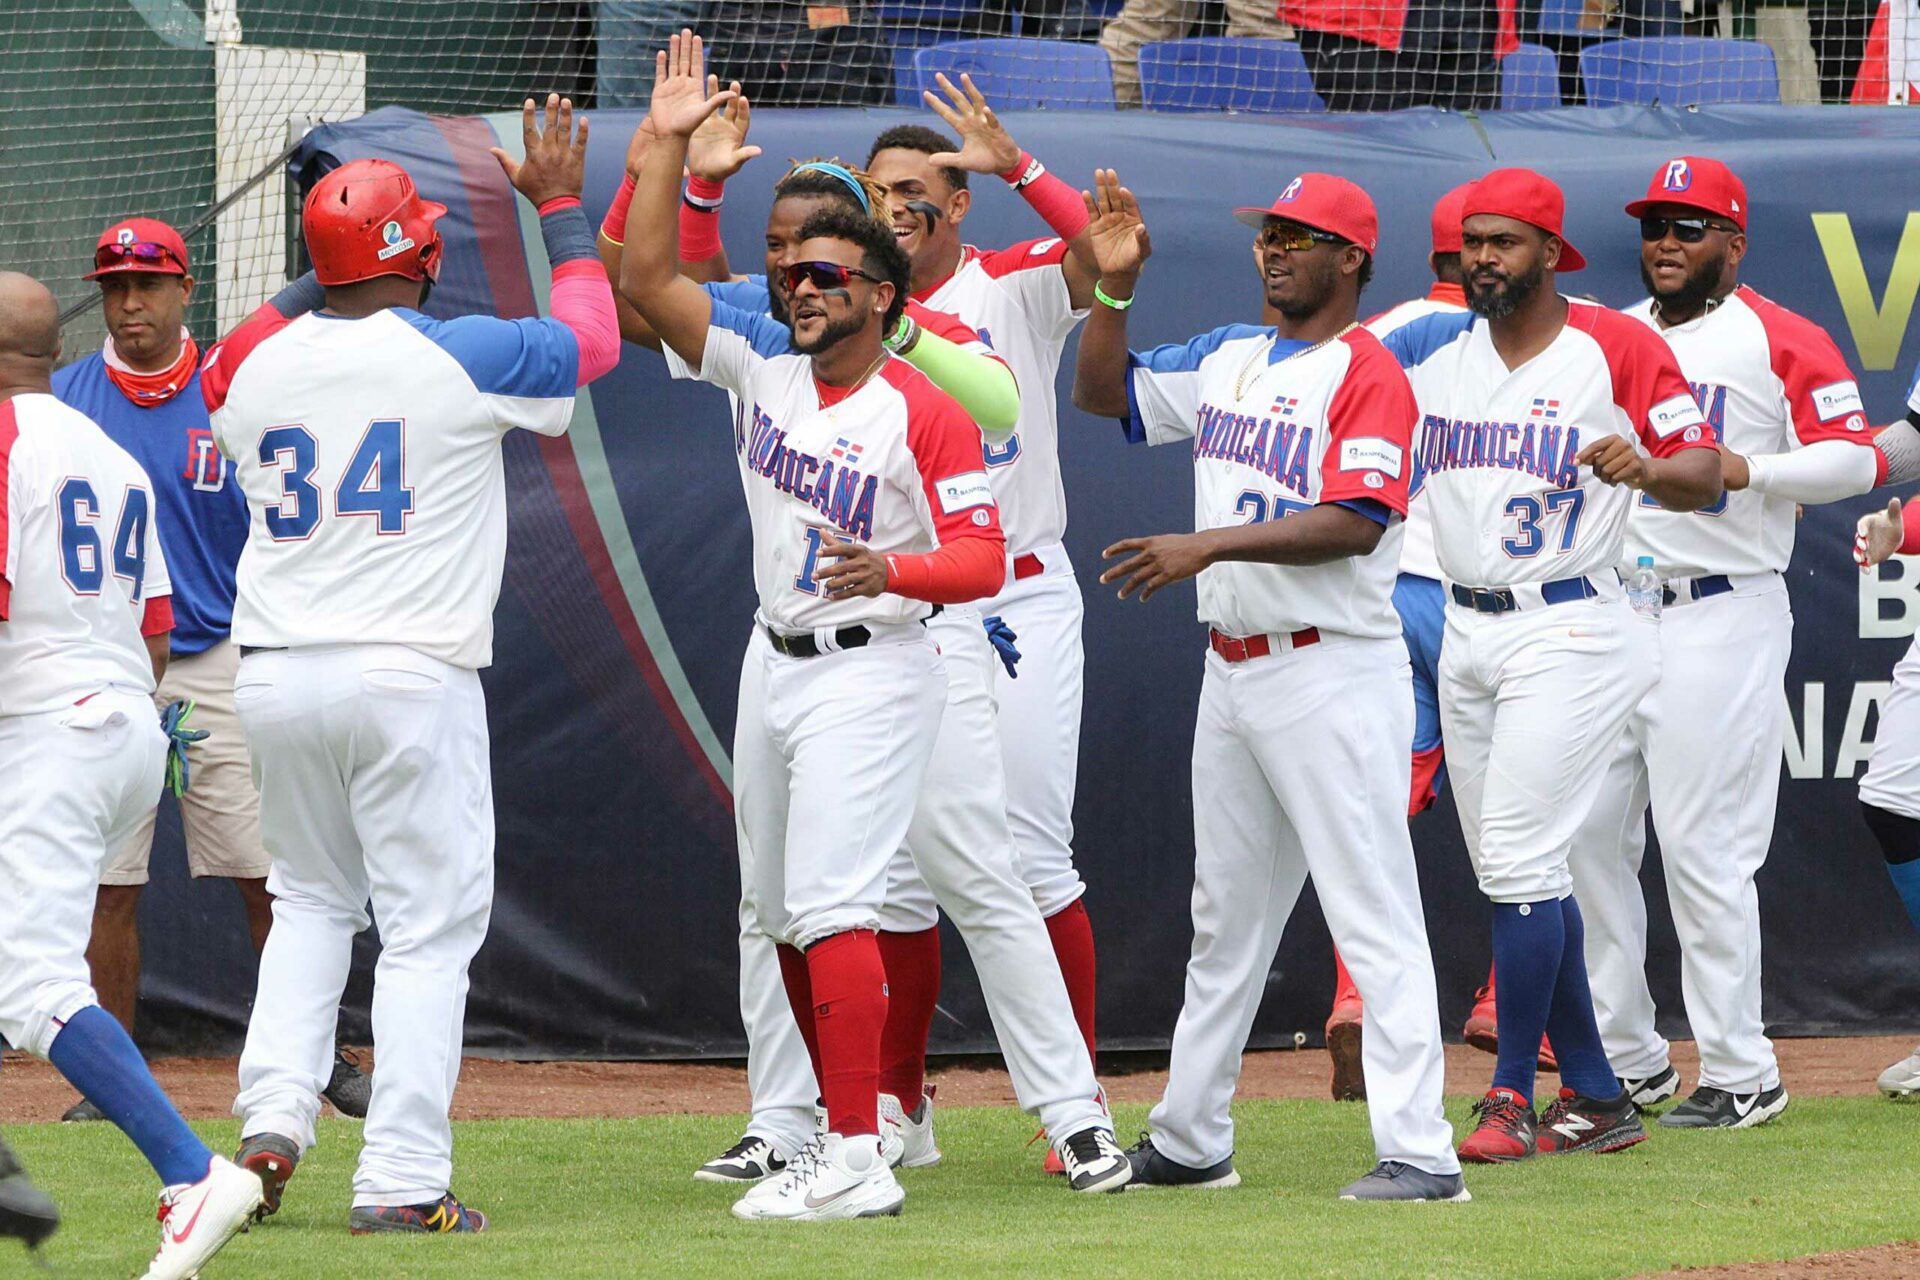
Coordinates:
(1311, 289)
(1494, 302)
(836, 331)
(1693, 293)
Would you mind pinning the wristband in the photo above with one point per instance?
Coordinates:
(904, 336)
(1100, 296)
(705, 193)
(1025, 170)
(557, 203)
(614, 225)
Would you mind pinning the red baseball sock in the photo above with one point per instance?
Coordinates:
(912, 962)
(1072, 935)
(799, 985)
(849, 1009)
(1343, 988)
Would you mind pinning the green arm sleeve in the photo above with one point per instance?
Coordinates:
(984, 387)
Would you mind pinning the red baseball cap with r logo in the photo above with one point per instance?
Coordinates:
(139, 244)
(1325, 203)
(1698, 183)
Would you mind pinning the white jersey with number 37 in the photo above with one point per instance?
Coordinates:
(369, 451)
(81, 574)
(1497, 446)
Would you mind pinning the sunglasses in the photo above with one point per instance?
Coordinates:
(1685, 230)
(823, 275)
(143, 252)
(1294, 239)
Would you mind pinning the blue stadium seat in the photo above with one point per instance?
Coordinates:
(1678, 71)
(1220, 73)
(1562, 18)
(1018, 74)
(1529, 79)
(914, 13)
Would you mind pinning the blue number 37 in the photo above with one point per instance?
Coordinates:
(1531, 511)
(373, 483)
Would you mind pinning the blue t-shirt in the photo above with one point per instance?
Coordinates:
(203, 514)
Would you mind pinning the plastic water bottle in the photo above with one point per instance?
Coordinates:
(1643, 589)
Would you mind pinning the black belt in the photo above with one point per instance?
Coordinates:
(1714, 584)
(1501, 599)
(805, 646)
(248, 650)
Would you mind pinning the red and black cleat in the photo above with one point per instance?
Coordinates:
(1505, 1131)
(272, 1159)
(1574, 1122)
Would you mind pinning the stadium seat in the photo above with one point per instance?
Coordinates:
(1529, 79)
(1018, 74)
(1219, 73)
(1562, 18)
(1678, 71)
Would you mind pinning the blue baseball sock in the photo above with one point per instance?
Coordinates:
(1528, 939)
(1906, 882)
(98, 1058)
(1570, 1023)
(1899, 838)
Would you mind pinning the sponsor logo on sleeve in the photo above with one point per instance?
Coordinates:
(1674, 414)
(968, 489)
(1371, 453)
(1837, 399)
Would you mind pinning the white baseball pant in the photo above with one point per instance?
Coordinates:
(373, 770)
(73, 783)
(1300, 767)
(1892, 780)
(1532, 704)
(1704, 745)
(961, 846)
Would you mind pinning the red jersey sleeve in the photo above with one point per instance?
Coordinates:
(1647, 382)
(158, 618)
(9, 433)
(1370, 424)
(223, 361)
(1822, 396)
(947, 452)
(1049, 251)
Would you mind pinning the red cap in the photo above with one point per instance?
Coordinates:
(1325, 203)
(1528, 197)
(1447, 219)
(1698, 183)
(139, 244)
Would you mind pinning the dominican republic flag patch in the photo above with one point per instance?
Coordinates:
(845, 450)
(1546, 409)
(1285, 405)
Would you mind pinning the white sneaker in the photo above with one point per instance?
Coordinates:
(832, 1177)
(1902, 1079)
(917, 1148)
(891, 1146)
(198, 1218)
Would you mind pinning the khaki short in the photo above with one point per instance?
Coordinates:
(221, 810)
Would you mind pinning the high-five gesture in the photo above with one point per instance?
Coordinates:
(985, 145)
(556, 156)
(681, 96)
(718, 148)
(1119, 234)
(1878, 536)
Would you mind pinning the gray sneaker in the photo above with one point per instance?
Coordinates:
(1711, 1108)
(25, 1212)
(349, 1089)
(1392, 1180)
(82, 1112)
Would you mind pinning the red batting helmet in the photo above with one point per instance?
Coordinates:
(367, 219)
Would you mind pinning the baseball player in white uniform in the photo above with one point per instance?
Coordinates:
(1704, 745)
(85, 610)
(1540, 428)
(1300, 437)
(870, 503)
(366, 437)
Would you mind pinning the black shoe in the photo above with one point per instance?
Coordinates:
(349, 1089)
(1094, 1161)
(25, 1212)
(82, 1112)
(1710, 1108)
(272, 1159)
(1151, 1169)
(1575, 1122)
(1651, 1091)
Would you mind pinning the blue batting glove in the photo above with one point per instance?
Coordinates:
(1003, 637)
(173, 723)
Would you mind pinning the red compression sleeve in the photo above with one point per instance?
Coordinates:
(582, 300)
(1058, 204)
(700, 220)
(1910, 529)
(965, 569)
(614, 225)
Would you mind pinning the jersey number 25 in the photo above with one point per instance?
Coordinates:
(373, 484)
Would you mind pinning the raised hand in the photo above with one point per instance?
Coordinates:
(637, 147)
(718, 148)
(1878, 536)
(985, 145)
(1118, 233)
(681, 101)
(556, 155)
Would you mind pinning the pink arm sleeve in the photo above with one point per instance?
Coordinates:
(582, 300)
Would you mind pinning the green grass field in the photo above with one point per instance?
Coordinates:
(613, 1198)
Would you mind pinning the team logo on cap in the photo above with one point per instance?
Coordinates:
(397, 241)
(1679, 176)
(1292, 192)
(125, 236)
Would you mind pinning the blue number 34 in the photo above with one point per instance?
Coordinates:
(373, 483)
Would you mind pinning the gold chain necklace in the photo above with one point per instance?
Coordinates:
(1260, 352)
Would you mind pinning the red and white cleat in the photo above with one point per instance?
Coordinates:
(198, 1218)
